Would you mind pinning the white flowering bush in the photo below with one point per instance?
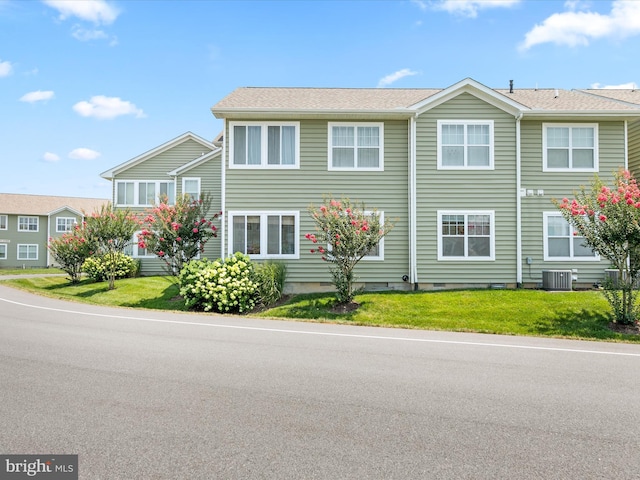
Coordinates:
(224, 286)
(98, 267)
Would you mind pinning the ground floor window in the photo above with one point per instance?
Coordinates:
(27, 252)
(466, 235)
(264, 234)
(560, 241)
(3, 251)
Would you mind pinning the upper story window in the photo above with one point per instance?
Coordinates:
(65, 224)
(191, 187)
(465, 144)
(144, 193)
(264, 145)
(570, 147)
(356, 146)
(28, 224)
(466, 235)
(560, 243)
(265, 234)
(4, 222)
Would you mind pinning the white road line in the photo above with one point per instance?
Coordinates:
(327, 334)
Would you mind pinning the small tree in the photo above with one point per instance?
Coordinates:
(345, 233)
(71, 250)
(608, 219)
(112, 232)
(178, 233)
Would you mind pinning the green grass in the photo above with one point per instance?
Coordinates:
(29, 271)
(579, 315)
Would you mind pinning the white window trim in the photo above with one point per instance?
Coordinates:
(466, 213)
(30, 231)
(198, 179)
(264, 147)
(136, 192)
(134, 248)
(27, 245)
(371, 258)
(6, 222)
(379, 168)
(263, 214)
(545, 241)
(491, 165)
(3, 254)
(66, 219)
(596, 155)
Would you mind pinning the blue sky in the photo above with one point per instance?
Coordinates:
(87, 85)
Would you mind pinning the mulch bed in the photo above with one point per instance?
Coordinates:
(626, 329)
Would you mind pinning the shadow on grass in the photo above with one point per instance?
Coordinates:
(170, 299)
(583, 323)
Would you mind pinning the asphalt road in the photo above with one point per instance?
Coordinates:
(152, 395)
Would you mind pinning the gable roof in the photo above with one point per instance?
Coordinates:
(628, 95)
(20, 204)
(109, 174)
(198, 161)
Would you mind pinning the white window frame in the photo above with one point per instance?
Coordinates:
(466, 166)
(69, 222)
(136, 191)
(264, 145)
(4, 222)
(29, 246)
(264, 214)
(132, 248)
(355, 126)
(3, 251)
(374, 258)
(570, 126)
(191, 179)
(29, 223)
(466, 214)
(545, 240)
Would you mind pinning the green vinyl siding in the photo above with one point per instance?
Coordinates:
(558, 185)
(296, 189)
(11, 237)
(634, 148)
(466, 190)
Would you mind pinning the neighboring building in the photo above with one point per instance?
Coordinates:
(467, 174)
(28, 221)
(187, 164)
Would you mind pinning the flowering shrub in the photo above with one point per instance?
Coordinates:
(178, 233)
(71, 250)
(345, 233)
(122, 265)
(222, 285)
(270, 278)
(608, 219)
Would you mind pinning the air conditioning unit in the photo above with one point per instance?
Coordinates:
(557, 280)
(613, 275)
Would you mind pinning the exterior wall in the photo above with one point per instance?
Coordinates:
(634, 148)
(296, 189)
(466, 190)
(12, 238)
(557, 185)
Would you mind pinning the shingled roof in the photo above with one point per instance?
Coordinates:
(20, 204)
(621, 95)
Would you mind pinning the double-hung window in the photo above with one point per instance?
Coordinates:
(27, 224)
(27, 252)
(264, 144)
(465, 144)
(65, 224)
(466, 235)
(265, 234)
(560, 242)
(134, 250)
(191, 187)
(144, 193)
(356, 146)
(4, 222)
(3, 251)
(570, 147)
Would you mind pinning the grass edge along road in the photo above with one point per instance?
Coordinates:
(578, 315)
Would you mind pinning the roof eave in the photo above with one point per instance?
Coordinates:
(248, 112)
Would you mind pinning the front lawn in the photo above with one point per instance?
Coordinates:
(583, 315)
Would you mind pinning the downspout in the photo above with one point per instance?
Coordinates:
(48, 237)
(223, 191)
(518, 205)
(626, 145)
(413, 215)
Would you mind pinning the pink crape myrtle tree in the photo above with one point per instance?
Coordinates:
(178, 233)
(71, 250)
(345, 233)
(609, 220)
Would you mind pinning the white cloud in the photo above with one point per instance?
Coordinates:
(5, 69)
(84, 35)
(622, 86)
(394, 77)
(470, 8)
(578, 28)
(50, 157)
(96, 11)
(83, 154)
(107, 107)
(37, 96)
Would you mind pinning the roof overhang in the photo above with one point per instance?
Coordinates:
(288, 114)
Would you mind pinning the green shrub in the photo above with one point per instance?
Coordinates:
(98, 267)
(270, 277)
(222, 285)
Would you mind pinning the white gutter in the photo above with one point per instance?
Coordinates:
(413, 216)
(223, 191)
(518, 204)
